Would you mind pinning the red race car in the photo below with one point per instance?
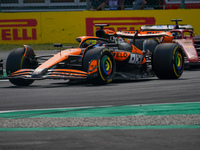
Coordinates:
(182, 35)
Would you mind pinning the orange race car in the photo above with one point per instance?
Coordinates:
(99, 59)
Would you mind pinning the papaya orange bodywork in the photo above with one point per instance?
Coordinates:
(120, 56)
(59, 57)
(107, 31)
(21, 72)
(93, 67)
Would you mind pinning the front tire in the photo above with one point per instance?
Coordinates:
(105, 62)
(16, 61)
(168, 61)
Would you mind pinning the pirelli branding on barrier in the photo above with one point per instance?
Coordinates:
(18, 29)
(65, 27)
(118, 23)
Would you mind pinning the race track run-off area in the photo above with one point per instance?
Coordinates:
(157, 116)
(182, 113)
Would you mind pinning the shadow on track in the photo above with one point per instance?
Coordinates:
(78, 83)
(83, 83)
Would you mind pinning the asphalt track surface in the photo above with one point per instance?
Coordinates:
(58, 94)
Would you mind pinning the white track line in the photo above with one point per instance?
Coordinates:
(55, 108)
(92, 107)
(4, 80)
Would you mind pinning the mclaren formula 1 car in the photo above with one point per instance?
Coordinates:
(182, 35)
(98, 60)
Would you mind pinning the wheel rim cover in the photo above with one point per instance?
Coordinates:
(107, 65)
(179, 62)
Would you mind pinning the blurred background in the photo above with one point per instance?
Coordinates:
(79, 5)
(62, 21)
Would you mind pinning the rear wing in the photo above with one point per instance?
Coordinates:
(142, 34)
(167, 27)
(164, 27)
(104, 33)
(101, 25)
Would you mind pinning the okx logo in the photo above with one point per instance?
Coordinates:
(118, 23)
(18, 29)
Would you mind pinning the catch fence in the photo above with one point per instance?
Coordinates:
(79, 5)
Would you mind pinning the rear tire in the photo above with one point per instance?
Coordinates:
(168, 61)
(16, 61)
(150, 45)
(105, 62)
(139, 43)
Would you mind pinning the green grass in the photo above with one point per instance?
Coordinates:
(9, 47)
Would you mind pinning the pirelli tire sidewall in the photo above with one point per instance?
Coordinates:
(105, 65)
(168, 61)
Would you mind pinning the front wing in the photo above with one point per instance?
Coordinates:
(50, 74)
(55, 73)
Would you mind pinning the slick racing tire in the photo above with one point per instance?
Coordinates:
(16, 61)
(138, 43)
(150, 45)
(168, 61)
(105, 62)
